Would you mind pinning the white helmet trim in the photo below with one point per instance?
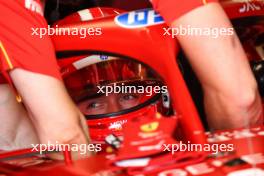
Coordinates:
(93, 59)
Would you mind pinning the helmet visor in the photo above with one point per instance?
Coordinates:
(110, 85)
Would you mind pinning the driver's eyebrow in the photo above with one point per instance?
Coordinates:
(90, 97)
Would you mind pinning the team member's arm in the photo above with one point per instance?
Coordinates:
(30, 62)
(54, 115)
(16, 130)
(230, 92)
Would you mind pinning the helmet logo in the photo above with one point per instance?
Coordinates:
(117, 125)
(150, 127)
(103, 57)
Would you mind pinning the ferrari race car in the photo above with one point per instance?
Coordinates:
(141, 132)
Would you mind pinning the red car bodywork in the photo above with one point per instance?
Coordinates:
(148, 45)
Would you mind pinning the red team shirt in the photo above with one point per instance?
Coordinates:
(20, 49)
(173, 9)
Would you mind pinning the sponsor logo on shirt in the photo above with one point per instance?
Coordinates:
(139, 18)
(249, 6)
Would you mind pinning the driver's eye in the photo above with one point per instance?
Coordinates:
(94, 105)
(128, 97)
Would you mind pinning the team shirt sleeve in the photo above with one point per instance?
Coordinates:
(19, 47)
(171, 10)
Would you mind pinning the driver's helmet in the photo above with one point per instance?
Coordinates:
(110, 91)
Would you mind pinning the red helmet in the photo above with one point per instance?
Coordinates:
(110, 91)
